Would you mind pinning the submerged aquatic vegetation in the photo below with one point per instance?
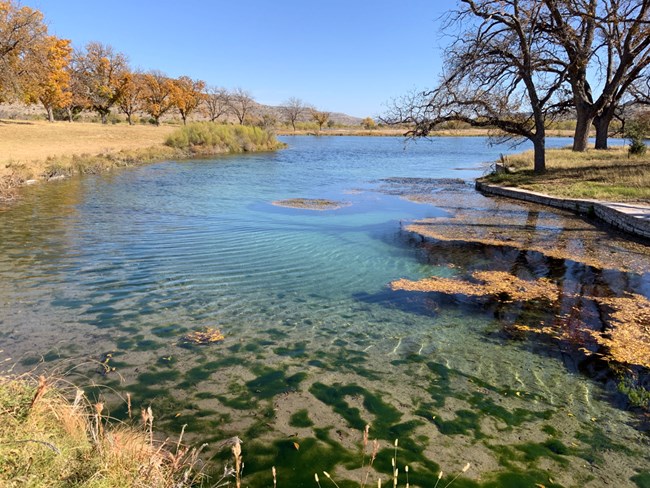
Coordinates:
(625, 337)
(206, 335)
(311, 203)
(628, 339)
(486, 283)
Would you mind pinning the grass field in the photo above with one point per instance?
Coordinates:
(26, 145)
(610, 175)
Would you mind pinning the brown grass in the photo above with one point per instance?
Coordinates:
(610, 175)
(47, 440)
(30, 144)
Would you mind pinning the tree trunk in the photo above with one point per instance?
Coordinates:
(602, 127)
(539, 146)
(583, 125)
(70, 116)
(128, 118)
(104, 118)
(50, 114)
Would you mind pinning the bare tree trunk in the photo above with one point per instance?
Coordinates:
(70, 116)
(602, 122)
(104, 118)
(539, 146)
(583, 125)
(128, 118)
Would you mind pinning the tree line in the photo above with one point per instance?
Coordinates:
(38, 68)
(520, 65)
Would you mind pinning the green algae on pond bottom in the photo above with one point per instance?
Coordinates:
(301, 419)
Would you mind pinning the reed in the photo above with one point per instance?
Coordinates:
(47, 440)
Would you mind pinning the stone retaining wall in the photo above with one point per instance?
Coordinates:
(630, 218)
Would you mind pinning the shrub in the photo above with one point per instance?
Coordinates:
(635, 131)
(208, 137)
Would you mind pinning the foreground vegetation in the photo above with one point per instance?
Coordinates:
(610, 175)
(48, 441)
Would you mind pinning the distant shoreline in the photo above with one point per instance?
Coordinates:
(401, 133)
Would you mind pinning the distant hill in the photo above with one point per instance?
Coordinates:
(336, 117)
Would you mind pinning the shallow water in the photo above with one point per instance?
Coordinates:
(316, 343)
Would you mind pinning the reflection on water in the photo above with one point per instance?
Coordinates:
(317, 345)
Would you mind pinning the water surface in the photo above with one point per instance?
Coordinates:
(120, 266)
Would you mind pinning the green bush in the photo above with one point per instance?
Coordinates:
(208, 137)
(636, 130)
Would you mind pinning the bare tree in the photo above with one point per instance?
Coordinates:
(217, 102)
(319, 117)
(292, 109)
(240, 103)
(610, 38)
(500, 73)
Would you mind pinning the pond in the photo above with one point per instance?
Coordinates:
(102, 276)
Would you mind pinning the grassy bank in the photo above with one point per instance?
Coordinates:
(39, 151)
(609, 175)
(49, 441)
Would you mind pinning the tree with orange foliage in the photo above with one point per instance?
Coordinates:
(48, 81)
(101, 70)
(157, 94)
(130, 99)
(21, 32)
(187, 95)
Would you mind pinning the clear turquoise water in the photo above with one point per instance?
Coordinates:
(126, 263)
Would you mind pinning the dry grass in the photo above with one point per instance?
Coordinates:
(49, 441)
(610, 175)
(30, 144)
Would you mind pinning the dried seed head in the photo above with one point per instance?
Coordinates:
(466, 467)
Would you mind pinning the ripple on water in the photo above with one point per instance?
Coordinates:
(316, 344)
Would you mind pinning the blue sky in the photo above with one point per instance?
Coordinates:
(348, 56)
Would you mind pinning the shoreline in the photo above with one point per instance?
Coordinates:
(629, 218)
(40, 152)
(401, 133)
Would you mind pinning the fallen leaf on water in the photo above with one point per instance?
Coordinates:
(296, 446)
